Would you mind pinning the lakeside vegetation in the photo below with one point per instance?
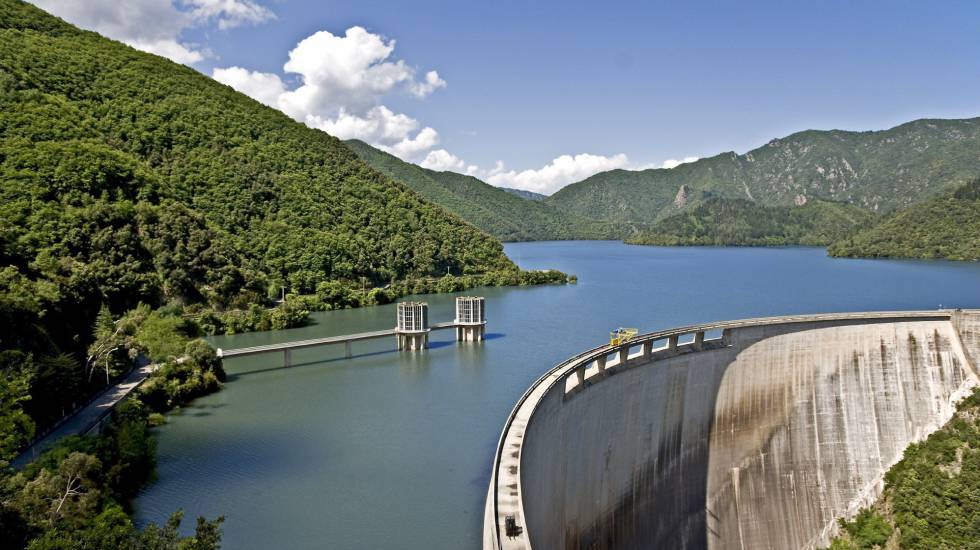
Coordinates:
(930, 497)
(738, 222)
(78, 494)
(946, 227)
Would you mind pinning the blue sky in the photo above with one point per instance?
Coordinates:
(629, 84)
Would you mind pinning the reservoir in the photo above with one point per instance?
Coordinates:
(393, 450)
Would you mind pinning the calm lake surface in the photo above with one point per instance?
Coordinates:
(393, 450)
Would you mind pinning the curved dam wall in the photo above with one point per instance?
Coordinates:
(757, 440)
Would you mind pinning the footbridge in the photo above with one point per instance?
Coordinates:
(411, 331)
(746, 434)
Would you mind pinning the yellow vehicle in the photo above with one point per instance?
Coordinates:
(622, 335)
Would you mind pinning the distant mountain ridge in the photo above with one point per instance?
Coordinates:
(877, 170)
(761, 197)
(501, 213)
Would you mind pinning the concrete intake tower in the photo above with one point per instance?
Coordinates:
(749, 435)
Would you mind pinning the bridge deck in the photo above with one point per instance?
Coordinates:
(341, 339)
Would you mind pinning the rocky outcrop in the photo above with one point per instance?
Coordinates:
(681, 198)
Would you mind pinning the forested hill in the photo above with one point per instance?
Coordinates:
(503, 214)
(295, 202)
(943, 227)
(879, 171)
(739, 222)
(128, 179)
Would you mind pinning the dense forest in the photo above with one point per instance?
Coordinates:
(727, 222)
(944, 227)
(930, 496)
(504, 214)
(143, 205)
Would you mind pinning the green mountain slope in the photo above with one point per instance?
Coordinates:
(943, 227)
(127, 179)
(725, 222)
(879, 171)
(504, 215)
(529, 195)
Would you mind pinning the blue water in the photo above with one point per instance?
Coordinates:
(393, 450)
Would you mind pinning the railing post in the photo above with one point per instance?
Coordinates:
(347, 352)
(600, 363)
(672, 342)
(647, 350)
(699, 340)
(623, 353)
(287, 357)
(580, 376)
(726, 337)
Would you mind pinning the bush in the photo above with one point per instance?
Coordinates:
(868, 530)
(165, 336)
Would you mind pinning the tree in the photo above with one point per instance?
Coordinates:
(68, 495)
(108, 338)
(16, 427)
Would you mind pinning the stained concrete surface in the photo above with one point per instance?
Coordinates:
(761, 444)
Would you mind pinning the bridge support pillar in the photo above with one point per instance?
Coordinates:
(413, 341)
(470, 333)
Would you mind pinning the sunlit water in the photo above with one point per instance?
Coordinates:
(393, 450)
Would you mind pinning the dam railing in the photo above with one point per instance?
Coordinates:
(504, 515)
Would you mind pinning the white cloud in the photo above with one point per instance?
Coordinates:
(413, 147)
(674, 163)
(343, 80)
(155, 25)
(432, 83)
(263, 87)
(229, 13)
(350, 72)
(556, 174)
(442, 160)
(171, 49)
(396, 133)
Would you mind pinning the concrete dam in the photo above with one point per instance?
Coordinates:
(753, 434)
